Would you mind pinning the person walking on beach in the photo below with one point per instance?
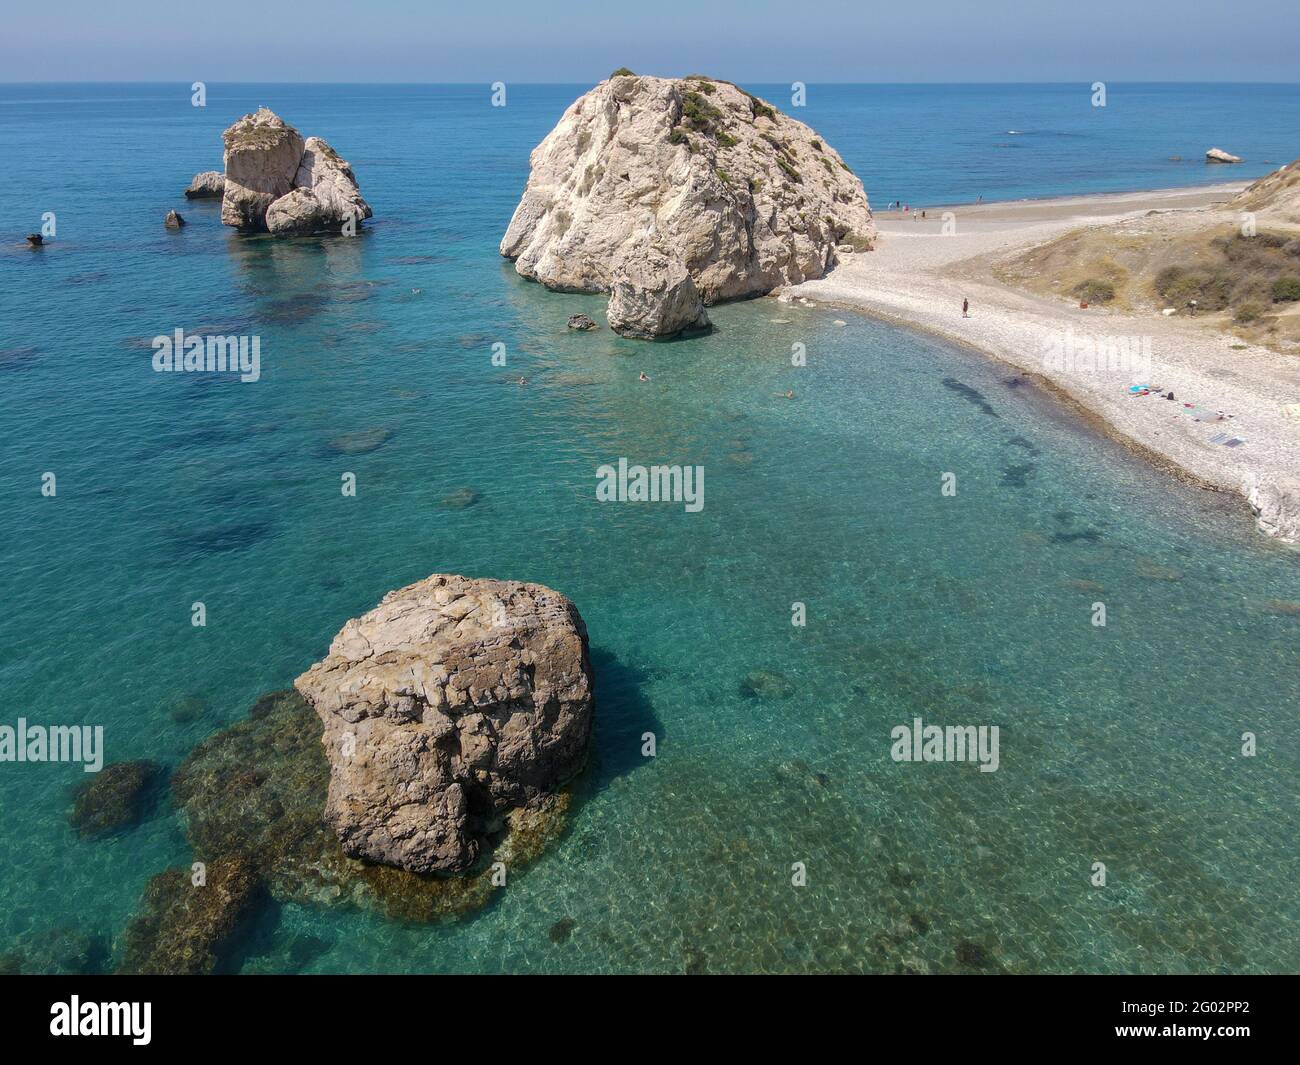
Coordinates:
(965, 308)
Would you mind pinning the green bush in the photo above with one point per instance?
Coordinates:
(726, 140)
(1286, 290)
(789, 170)
(678, 136)
(698, 113)
(1094, 290)
(757, 108)
(622, 72)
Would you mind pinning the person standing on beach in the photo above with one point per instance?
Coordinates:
(965, 308)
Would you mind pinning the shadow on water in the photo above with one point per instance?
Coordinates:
(623, 716)
(266, 944)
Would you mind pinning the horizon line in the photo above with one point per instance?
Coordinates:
(755, 81)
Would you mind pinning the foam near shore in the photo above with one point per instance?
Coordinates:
(922, 269)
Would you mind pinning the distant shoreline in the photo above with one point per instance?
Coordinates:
(1061, 205)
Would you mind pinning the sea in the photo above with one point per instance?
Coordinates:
(915, 535)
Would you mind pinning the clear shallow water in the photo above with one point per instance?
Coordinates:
(1118, 744)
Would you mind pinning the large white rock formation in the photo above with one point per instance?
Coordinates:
(712, 180)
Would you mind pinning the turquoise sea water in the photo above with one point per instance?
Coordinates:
(1118, 744)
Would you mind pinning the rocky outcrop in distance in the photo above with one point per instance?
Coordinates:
(453, 704)
(278, 182)
(647, 183)
(1218, 155)
(209, 185)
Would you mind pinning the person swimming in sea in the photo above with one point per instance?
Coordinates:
(643, 376)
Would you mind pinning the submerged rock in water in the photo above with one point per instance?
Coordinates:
(461, 498)
(740, 197)
(35, 240)
(360, 443)
(184, 928)
(581, 321)
(277, 181)
(209, 185)
(117, 797)
(453, 703)
(560, 932)
(766, 684)
(188, 708)
(57, 952)
(173, 220)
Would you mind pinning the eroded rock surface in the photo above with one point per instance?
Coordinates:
(742, 197)
(1276, 505)
(277, 181)
(652, 296)
(184, 928)
(209, 185)
(451, 704)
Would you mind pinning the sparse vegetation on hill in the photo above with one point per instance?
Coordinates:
(1238, 265)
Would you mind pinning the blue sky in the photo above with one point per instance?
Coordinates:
(582, 40)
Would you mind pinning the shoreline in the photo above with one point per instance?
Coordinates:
(1223, 189)
(918, 275)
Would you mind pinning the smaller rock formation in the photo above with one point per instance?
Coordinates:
(278, 182)
(452, 704)
(581, 321)
(1276, 505)
(209, 185)
(1218, 155)
(35, 240)
(173, 220)
(117, 797)
(652, 295)
(325, 194)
